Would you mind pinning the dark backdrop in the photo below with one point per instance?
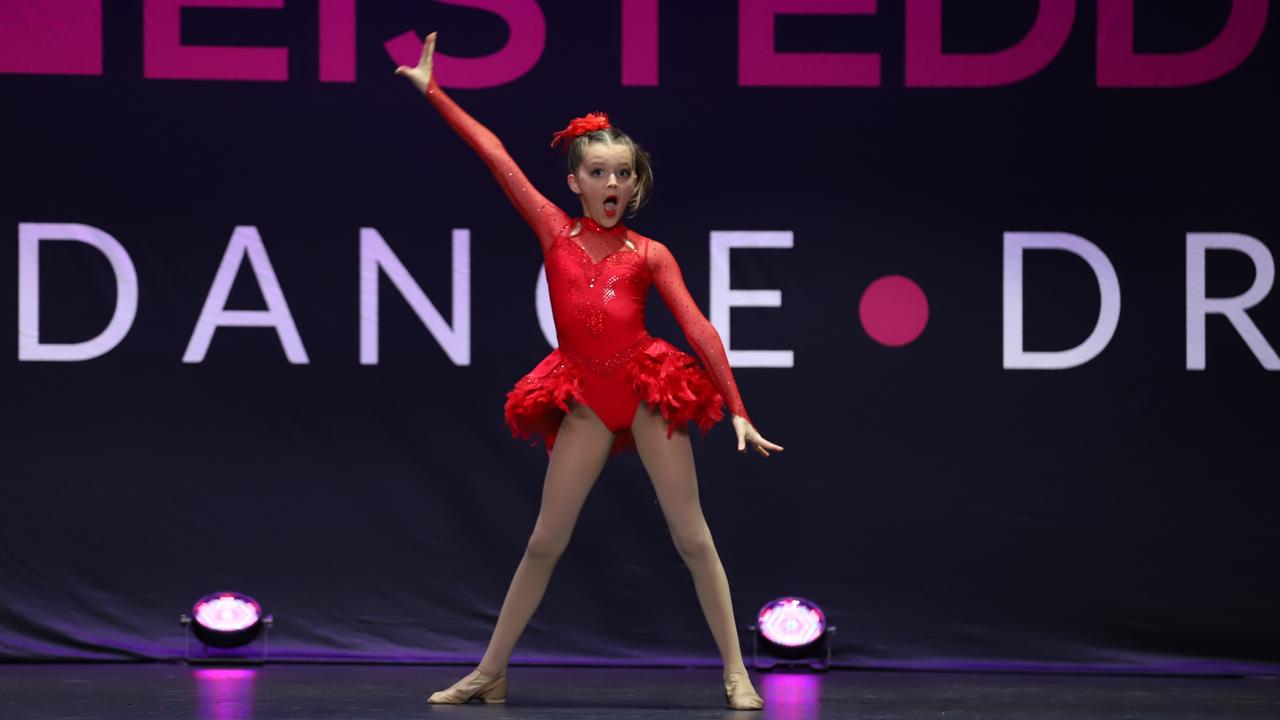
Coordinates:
(945, 510)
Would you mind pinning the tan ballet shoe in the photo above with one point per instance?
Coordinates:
(738, 692)
(475, 686)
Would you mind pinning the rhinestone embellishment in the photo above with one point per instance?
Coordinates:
(607, 366)
(589, 301)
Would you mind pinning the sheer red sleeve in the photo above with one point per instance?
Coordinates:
(543, 216)
(697, 329)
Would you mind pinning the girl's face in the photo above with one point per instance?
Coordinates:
(604, 182)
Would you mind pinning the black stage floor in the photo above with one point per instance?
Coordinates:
(307, 691)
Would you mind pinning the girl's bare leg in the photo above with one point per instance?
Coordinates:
(669, 463)
(582, 446)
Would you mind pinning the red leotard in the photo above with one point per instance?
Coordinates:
(599, 279)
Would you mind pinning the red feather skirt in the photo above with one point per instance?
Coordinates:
(669, 380)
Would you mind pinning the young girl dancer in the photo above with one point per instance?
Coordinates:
(610, 386)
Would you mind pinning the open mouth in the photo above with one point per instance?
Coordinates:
(611, 205)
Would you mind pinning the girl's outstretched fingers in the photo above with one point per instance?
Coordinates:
(420, 76)
(747, 433)
(428, 49)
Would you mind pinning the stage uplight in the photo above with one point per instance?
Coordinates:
(223, 621)
(791, 631)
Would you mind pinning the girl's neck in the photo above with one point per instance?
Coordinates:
(589, 223)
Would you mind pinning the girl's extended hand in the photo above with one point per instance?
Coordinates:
(420, 76)
(747, 433)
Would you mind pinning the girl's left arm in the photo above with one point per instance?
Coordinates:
(704, 338)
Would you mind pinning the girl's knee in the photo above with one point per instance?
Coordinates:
(545, 546)
(693, 542)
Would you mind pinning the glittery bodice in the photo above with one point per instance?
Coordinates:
(598, 277)
(598, 280)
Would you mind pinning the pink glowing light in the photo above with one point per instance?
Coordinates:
(791, 622)
(227, 612)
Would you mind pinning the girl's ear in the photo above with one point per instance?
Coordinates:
(573, 184)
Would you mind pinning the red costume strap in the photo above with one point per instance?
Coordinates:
(541, 214)
(697, 329)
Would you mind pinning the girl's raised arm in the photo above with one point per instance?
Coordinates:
(543, 216)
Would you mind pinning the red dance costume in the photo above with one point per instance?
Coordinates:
(599, 279)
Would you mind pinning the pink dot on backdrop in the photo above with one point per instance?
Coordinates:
(893, 310)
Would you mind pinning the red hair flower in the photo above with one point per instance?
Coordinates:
(581, 126)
